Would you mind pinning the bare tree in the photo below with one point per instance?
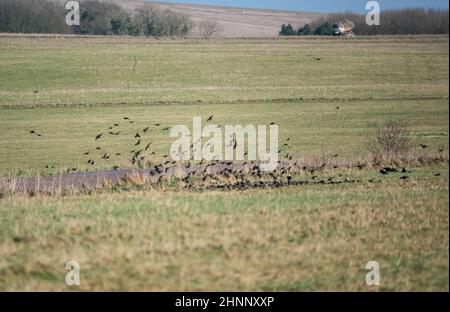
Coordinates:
(210, 29)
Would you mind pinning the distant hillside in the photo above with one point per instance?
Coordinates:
(237, 22)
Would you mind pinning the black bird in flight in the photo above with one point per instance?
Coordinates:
(272, 123)
(126, 118)
(98, 136)
(148, 146)
(87, 153)
(116, 125)
(98, 148)
(137, 135)
(137, 143)
(210, 118)
(117, 154)
(157, 125)
(166, 128)
(423, 146)
(36, 91)
(146, 129)
(35, 133)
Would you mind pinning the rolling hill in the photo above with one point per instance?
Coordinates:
(237, 22)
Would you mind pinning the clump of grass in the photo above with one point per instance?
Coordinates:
(390, 143)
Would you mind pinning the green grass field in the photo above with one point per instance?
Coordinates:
(86, 85)
(70, 89)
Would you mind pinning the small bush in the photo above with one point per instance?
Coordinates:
(390, 142)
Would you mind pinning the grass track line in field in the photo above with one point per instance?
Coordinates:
(229, 102)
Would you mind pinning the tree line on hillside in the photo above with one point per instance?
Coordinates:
(96, 18)
(413, 21)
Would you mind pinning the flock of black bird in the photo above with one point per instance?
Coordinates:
(139, 153)
(243, 175)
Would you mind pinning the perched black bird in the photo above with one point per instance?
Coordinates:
(87, 153)
(157, 125)
(36, 91)
(272, 123)
(98, 136)
(116, 168)
(105, 156)
(405, 171)
(126, 118)
(116, 125)
(389, 169)
(383, 171)
(98, 148)
(404, 178)
(118, 154)
(210, 118)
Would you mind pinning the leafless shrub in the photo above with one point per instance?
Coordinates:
(390, 142)
(210, 29)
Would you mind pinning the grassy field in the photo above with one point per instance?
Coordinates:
(83, 86)
(298, 238)
(327, 96)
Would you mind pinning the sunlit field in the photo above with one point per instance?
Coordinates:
(328, 97)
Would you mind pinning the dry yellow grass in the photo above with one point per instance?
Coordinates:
(297, 238)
